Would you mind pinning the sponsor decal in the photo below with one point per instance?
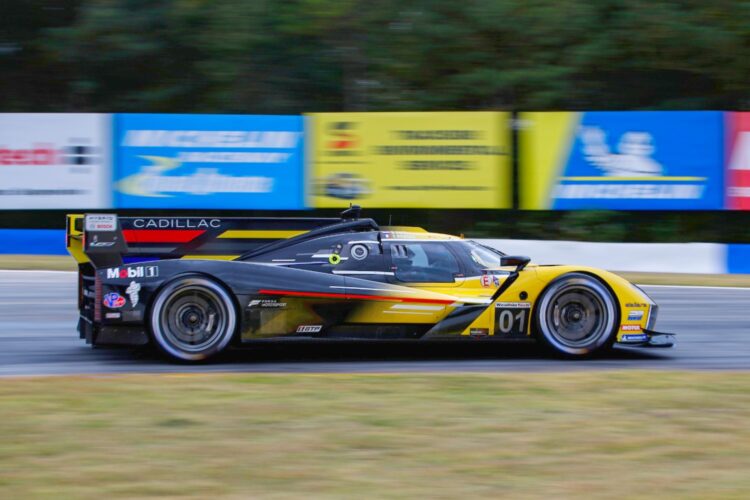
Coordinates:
(634, 338)
(153, 182)
(133, 290)
(630, 328)
(54, 160)
(101, 222)
(359, 252)
(171, 223)
(48, 154)
(479, 332)
(133, 272)
(486, 280)
(622, 160)
(495, 280)
(342, 139)
(635, 315)
(112, 315)
(636, 304)
(101, 244)
(209, 161)
(309, 328)
(267, 303)
(114, 300)
(738, 161)
(511, 318)
(459, 158)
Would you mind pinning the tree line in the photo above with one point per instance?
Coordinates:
(293, 56)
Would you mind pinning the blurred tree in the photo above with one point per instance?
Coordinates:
(274, 56)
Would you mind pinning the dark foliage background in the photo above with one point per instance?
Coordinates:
(295, 56)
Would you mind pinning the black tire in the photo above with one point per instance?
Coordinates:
(576, 316)
(192, 319)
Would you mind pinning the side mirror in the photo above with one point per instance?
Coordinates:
(520, 261)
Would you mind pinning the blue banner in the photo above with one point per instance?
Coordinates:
(642, 161)
(209, 161)
(33, 241)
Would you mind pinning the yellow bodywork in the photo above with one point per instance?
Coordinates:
(529, 286)
(74, 242)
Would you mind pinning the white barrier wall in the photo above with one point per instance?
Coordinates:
(704, 258)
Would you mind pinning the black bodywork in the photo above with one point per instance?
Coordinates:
(319, 274)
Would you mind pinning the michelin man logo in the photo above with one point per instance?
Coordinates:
(633, 158)
(132, 290)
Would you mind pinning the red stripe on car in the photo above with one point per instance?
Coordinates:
(161, 235)
(292, 293)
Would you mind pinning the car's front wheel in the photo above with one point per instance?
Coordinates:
(193, 318)
(576, 315)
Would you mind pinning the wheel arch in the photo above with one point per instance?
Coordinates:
(187, 274)
(534, 323)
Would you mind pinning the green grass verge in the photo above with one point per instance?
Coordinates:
(543, 435)
(38, 262)
(741, 280)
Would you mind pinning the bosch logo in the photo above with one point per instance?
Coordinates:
(133, 272)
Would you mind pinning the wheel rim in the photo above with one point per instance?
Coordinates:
(193, 319)
(577, 315)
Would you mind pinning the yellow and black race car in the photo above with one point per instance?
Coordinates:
(194, 286)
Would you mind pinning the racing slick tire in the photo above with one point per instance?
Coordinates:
(192, 318)
(577, 316)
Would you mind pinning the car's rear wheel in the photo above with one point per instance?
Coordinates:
(192, 319)
(576, 315)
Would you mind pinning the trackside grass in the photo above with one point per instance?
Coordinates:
(541, 435)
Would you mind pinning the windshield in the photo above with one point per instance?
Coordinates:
(484, 257)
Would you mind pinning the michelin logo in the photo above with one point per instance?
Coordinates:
(211, 139)
(632, 161)
(633, 158)
(133, 290)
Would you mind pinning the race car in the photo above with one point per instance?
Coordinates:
(193, 286)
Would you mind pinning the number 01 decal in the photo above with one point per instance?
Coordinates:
(512, 318)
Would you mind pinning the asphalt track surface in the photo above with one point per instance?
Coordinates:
(38, 337)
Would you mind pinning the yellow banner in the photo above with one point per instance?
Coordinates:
(410, 160)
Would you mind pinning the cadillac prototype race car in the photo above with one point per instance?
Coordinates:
(195, 285)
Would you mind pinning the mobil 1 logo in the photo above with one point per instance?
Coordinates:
(133, 272)
(512, 318)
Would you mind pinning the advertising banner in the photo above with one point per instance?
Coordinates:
(54, 161)
(638, 160)
(410, 160)
(738, 161)
(209, 161)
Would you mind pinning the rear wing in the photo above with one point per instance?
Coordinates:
(107, 240)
